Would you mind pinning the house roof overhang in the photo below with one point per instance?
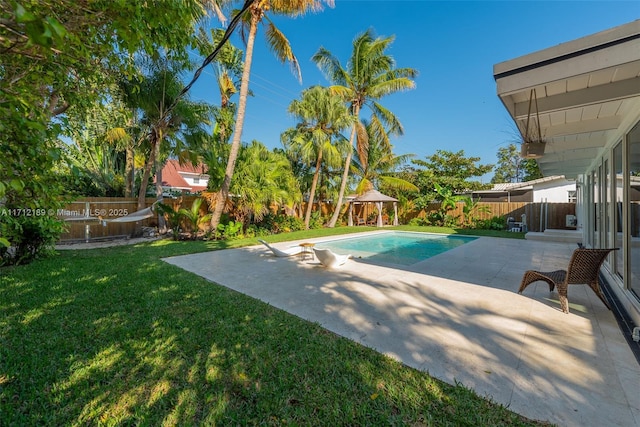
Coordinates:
(581, 92)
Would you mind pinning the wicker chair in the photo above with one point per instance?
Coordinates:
(583, 269)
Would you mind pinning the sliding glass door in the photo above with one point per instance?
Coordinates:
(633, 160)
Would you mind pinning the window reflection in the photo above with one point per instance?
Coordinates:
(596, 209)
(619, 186)
(634, 208)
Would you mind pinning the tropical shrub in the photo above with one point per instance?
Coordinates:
(279, 223)
(173, 218)
(471, 209)
(194, 217)
(495, 223)
(29, 237)
(230, 230)
(317, 220)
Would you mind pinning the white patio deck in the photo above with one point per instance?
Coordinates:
(458, 316)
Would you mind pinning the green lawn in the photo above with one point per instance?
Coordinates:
(115, 336)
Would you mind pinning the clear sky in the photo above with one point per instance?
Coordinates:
(452, 44)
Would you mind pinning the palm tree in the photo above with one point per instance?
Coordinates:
(381, 165)
(322, 117)
(263, 178)
(193, 216)
(227, 69)
(370, 75)
(281, 47)
(178, 128)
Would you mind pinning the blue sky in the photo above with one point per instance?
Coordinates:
(452, 44)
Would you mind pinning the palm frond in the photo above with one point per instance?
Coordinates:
(116, 134)
(386, 86)
(281, 47)
(397, 183)
(389, 119)
(362, 145)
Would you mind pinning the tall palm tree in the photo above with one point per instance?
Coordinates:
(282, 49)
(380, 169)
(322, 117)
(227, 69)
(370, 75)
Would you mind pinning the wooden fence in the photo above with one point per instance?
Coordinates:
(83, 223)
(88, 218)
(539, 216)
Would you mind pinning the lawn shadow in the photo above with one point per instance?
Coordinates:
(119, 337)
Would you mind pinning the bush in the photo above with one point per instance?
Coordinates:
(317, 220)
(253, 230)
(495, 223)
(280, 223)
(418, 222)
(29, 237)
(229, 231)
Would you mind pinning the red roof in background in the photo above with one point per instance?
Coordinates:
(171, 175)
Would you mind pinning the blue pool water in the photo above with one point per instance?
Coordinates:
(402, 248)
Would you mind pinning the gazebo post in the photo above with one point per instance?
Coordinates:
(350, 220)
(379, 206)
(395, 213)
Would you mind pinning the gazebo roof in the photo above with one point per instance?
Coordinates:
(374, 196)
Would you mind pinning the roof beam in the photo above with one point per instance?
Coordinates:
(559, 146)
(585, 126)
(568, 156)
(580, 98)
(570, 174)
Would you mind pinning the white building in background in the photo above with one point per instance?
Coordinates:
(552, 189)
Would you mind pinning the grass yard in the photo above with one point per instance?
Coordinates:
(116, 336)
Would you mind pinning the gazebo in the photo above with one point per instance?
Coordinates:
(374, 196)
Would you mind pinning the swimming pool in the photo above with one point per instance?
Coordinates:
(396, 247)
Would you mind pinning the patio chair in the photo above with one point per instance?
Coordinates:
(283, 253)
(583, 269)
(330, 259)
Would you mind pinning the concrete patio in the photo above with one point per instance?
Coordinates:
(457, 316)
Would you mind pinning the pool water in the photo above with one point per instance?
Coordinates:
(402, 248)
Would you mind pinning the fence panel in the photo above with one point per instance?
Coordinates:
(539, 216)
(82, 218)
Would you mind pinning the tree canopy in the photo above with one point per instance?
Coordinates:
(448, 170)
(513, 168)
(67, 54)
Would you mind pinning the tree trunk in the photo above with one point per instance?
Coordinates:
(312, 192)
(343, 186)
(155, 153)
(162, 225)
(128, 171)
(345, 173)
(223, 194)
(142, 192)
